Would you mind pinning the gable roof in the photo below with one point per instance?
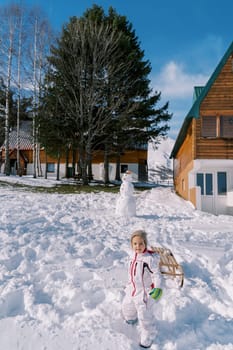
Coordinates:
(25, 137)
(199, 94)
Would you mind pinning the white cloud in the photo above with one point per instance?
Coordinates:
(176, 86)
(176, 78)
(174, 82)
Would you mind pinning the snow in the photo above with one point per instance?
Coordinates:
(63, 270)
(159, 162)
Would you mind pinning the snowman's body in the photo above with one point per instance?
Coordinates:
(126, 204)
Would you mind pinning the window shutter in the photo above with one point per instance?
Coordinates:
(209, 126)
(226, 126)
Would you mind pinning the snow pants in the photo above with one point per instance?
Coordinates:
(136, 308)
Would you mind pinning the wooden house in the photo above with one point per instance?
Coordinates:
(203, 151)
(132, 159)
(23, 145)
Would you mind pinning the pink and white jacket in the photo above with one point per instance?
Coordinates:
(143, 273)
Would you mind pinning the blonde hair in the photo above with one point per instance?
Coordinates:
(139, 233)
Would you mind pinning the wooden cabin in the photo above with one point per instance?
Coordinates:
(132, 159)
(23, 145)
(203, 151)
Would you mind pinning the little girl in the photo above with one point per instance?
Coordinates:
(143, 288)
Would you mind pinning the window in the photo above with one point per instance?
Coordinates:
(220, 126)
(124, 168)
(200, 182)
(50, 167)
(209, 184)
(209, 126)
(226, 126)
(222, 183)
(205, 181)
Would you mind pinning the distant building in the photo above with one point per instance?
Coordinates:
(24, 144)
(132, 159)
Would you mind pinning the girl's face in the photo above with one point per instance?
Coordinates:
(138, 244)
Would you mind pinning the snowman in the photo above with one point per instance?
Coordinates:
(126, 204)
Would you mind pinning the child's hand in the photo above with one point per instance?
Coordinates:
(156, 293)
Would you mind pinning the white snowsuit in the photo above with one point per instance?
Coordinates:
(144, 275)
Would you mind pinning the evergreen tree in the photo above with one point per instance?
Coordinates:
(139, 119)
(102, 87)
(80, 63)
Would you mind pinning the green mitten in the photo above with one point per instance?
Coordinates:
(156, 293)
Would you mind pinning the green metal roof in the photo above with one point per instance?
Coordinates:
(198, 96)
(197, 91)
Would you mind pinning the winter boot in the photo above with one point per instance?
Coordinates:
(132, 321)
(146, 341)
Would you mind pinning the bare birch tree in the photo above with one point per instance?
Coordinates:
(9, 16)
(38, 51)
(19, 66)
(13, 36)
(34, 107)
(22, 69)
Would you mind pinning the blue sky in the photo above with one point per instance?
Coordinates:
(183, 40)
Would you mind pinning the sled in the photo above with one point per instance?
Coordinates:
(168, 265)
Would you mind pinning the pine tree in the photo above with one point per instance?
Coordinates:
(138, 117)
(102, 87)
(80, 63)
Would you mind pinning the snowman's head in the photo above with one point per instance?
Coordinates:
(127, 176)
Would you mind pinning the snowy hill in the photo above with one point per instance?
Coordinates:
(160, 166)
(63, 270)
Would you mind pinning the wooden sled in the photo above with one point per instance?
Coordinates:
(168, 264)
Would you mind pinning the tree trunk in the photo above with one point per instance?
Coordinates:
(67, 162)
(83, 165)
(118, 167)
(79, 168)
(7, 128)
(38, 162)
(106, 165)
(19, 171)
(73, 160)
(89, 163)
(58, 166)
(84, 173)
(34, 101)
(46, 165)
(89, 166)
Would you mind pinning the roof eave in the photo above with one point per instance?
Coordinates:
(194, 111)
